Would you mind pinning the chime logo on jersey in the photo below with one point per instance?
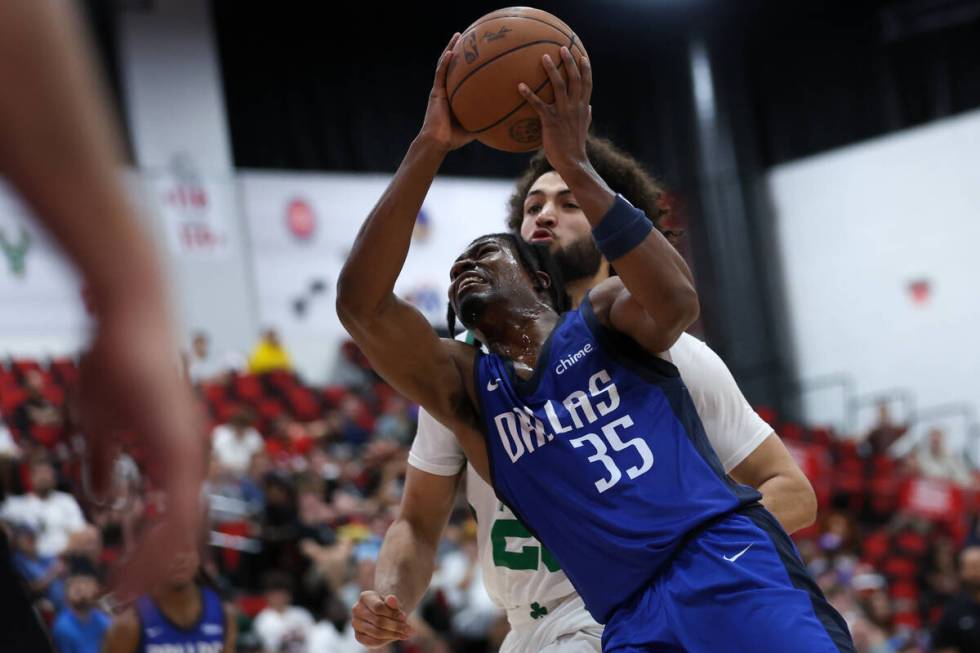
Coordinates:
(521, 431)
(568, 361)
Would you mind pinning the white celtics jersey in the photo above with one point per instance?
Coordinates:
(517, 570)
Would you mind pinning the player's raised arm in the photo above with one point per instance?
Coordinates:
(659, 300)
(397, 339)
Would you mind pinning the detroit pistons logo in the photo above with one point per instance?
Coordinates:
(300, 219)
(526, 131)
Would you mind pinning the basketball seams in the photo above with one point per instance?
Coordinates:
(571, 44)
(484, 21)
(483, 65)
(570, 35)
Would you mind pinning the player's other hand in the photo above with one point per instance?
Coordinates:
(564, 123)
(440, 127)
(379, 620)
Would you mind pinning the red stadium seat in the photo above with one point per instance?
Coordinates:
(905, 590)
(900, 567)
(251, 604)
(49, 436)
(64, 370)
(10, 398)
(248, 387)
(223, 411)
(214, 393)
(282, 380)
(24, 365)
(231, 558)
(875, 547)
(911, 543)
(908, 619)
(269, 409)
(303, 404)
(54, 394)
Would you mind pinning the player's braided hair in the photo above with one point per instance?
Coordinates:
(534, 258)
(622, 172)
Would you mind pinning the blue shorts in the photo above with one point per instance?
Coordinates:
(738, 586)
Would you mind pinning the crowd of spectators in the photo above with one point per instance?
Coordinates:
(304, 481)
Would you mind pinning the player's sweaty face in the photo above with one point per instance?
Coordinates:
(551, 214)
(486, 268)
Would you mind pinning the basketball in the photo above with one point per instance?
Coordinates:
(494, 55)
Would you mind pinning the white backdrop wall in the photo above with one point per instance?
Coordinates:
(177, 124)
(301, 228)
(880, 245)
(42, 313)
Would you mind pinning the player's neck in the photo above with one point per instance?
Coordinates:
(576, 289)
(518, 336)
(181, 604)
(82, 614)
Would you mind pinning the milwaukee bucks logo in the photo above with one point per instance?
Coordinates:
(16, 252)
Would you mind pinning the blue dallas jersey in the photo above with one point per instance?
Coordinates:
(602, 455)
(160, 635)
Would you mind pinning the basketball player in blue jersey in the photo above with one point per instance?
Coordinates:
(582, 428)
(543, 610)
(178, 616)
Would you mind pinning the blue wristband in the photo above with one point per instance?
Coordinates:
(621, 229)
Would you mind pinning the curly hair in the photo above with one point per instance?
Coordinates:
(622, 172)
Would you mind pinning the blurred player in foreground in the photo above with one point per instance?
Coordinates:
(179, 614)
(60, 150)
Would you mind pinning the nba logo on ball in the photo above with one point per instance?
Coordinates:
(300, 219)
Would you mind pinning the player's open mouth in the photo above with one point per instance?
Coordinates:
(542, 236)
(466, 283)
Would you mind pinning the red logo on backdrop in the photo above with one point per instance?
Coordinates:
(920, 291)
(300, 219)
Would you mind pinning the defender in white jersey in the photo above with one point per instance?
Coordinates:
(543, 609)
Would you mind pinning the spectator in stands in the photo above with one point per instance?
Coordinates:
(8, 444)
(236, 442)
(269, 355)
(45, 575)
(474, 615)
(884, 433)
(336, 635)
(202, 366)
(288, 443)
(934, 461)
(281, 626)
(36, 410)
(959, 628)
(395, 422)
(56, 515)
(351, 369)
(938, 577)
(80, 627)
(10, 454)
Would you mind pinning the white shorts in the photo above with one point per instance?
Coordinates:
(566, 628)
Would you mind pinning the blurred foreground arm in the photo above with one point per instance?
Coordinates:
(59, 148)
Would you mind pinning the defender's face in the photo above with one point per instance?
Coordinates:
(487, 271)
(551, 214)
